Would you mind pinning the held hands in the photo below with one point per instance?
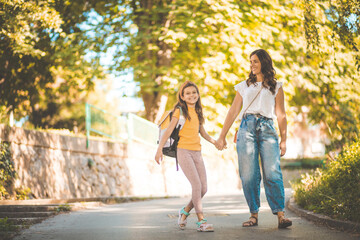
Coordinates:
(220, 144)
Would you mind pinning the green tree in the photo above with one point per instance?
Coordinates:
(164, 43)
(344, 21)
(23, 62)
(209, 41)
(331, 89)
(42, 58)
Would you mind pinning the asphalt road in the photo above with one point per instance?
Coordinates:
(157, 219)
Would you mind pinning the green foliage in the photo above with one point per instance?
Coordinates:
(8, 175)
(334, 191)
(329, 86)
(7, 170)
(22, 193)
(3, 192)
(209, 42)
(331, 91)
(44, 72)
(344, 21)
(5, 226)
(63, 208)
(90, 163)
(43, 69)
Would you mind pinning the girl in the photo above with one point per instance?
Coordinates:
(188, 151)
(263, 100)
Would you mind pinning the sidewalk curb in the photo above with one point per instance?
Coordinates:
(322, 219)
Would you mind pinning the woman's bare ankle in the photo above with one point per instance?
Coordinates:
(280, 215)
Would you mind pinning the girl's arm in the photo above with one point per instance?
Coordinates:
(281, 118)
(205, 135)
(172, 125)
(229, 120)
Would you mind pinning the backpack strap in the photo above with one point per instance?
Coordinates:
(163, 120)
(181, 121)
(177, 162)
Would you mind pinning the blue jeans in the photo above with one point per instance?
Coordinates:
(257, 135)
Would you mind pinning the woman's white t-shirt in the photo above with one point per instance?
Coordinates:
(264, 104)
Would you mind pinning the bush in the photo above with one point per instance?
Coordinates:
(334, 190)
(7, 171)
(22, 193)
(8, 176)
(6, 226)
(63, 208)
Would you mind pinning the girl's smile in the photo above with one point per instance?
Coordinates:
(191, 96)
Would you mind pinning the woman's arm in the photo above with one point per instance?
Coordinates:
(281, 118)
(229, 120)
(165, 137)
(205, 135)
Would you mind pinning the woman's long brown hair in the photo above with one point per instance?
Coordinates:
(181, 103)
(266, 68)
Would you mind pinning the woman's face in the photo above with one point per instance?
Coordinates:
(255, 64)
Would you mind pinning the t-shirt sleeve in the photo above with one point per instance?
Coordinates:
(240, 87)
(177, 113)
(278, 86)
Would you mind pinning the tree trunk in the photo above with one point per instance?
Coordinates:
(156, 99)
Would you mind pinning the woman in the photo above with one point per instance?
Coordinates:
(263, 100)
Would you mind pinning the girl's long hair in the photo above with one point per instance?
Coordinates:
(267, 70)
(181, 103)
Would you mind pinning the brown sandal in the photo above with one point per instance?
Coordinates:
(284, 223)
(250, 223)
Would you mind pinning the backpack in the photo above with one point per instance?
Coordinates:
(170, 147)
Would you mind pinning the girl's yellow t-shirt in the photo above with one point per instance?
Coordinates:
(189, 134)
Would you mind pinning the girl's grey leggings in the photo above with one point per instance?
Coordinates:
(192, 164)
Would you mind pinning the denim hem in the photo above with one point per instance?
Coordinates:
(275, 211)
(256, 211)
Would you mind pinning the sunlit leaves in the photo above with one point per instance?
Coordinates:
(42, 63)
(164, 43)
(209, 42)
(19, 19)
(343, 19)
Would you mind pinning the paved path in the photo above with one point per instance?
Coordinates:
(156, 219)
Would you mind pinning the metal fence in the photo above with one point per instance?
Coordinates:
(142, 130)
(127, 127)
(123, 128)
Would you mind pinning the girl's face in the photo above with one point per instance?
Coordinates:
(190, 96)
(255, 64)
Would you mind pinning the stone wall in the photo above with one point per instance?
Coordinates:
(56, 166)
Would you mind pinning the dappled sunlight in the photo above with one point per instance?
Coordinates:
(60, 56)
